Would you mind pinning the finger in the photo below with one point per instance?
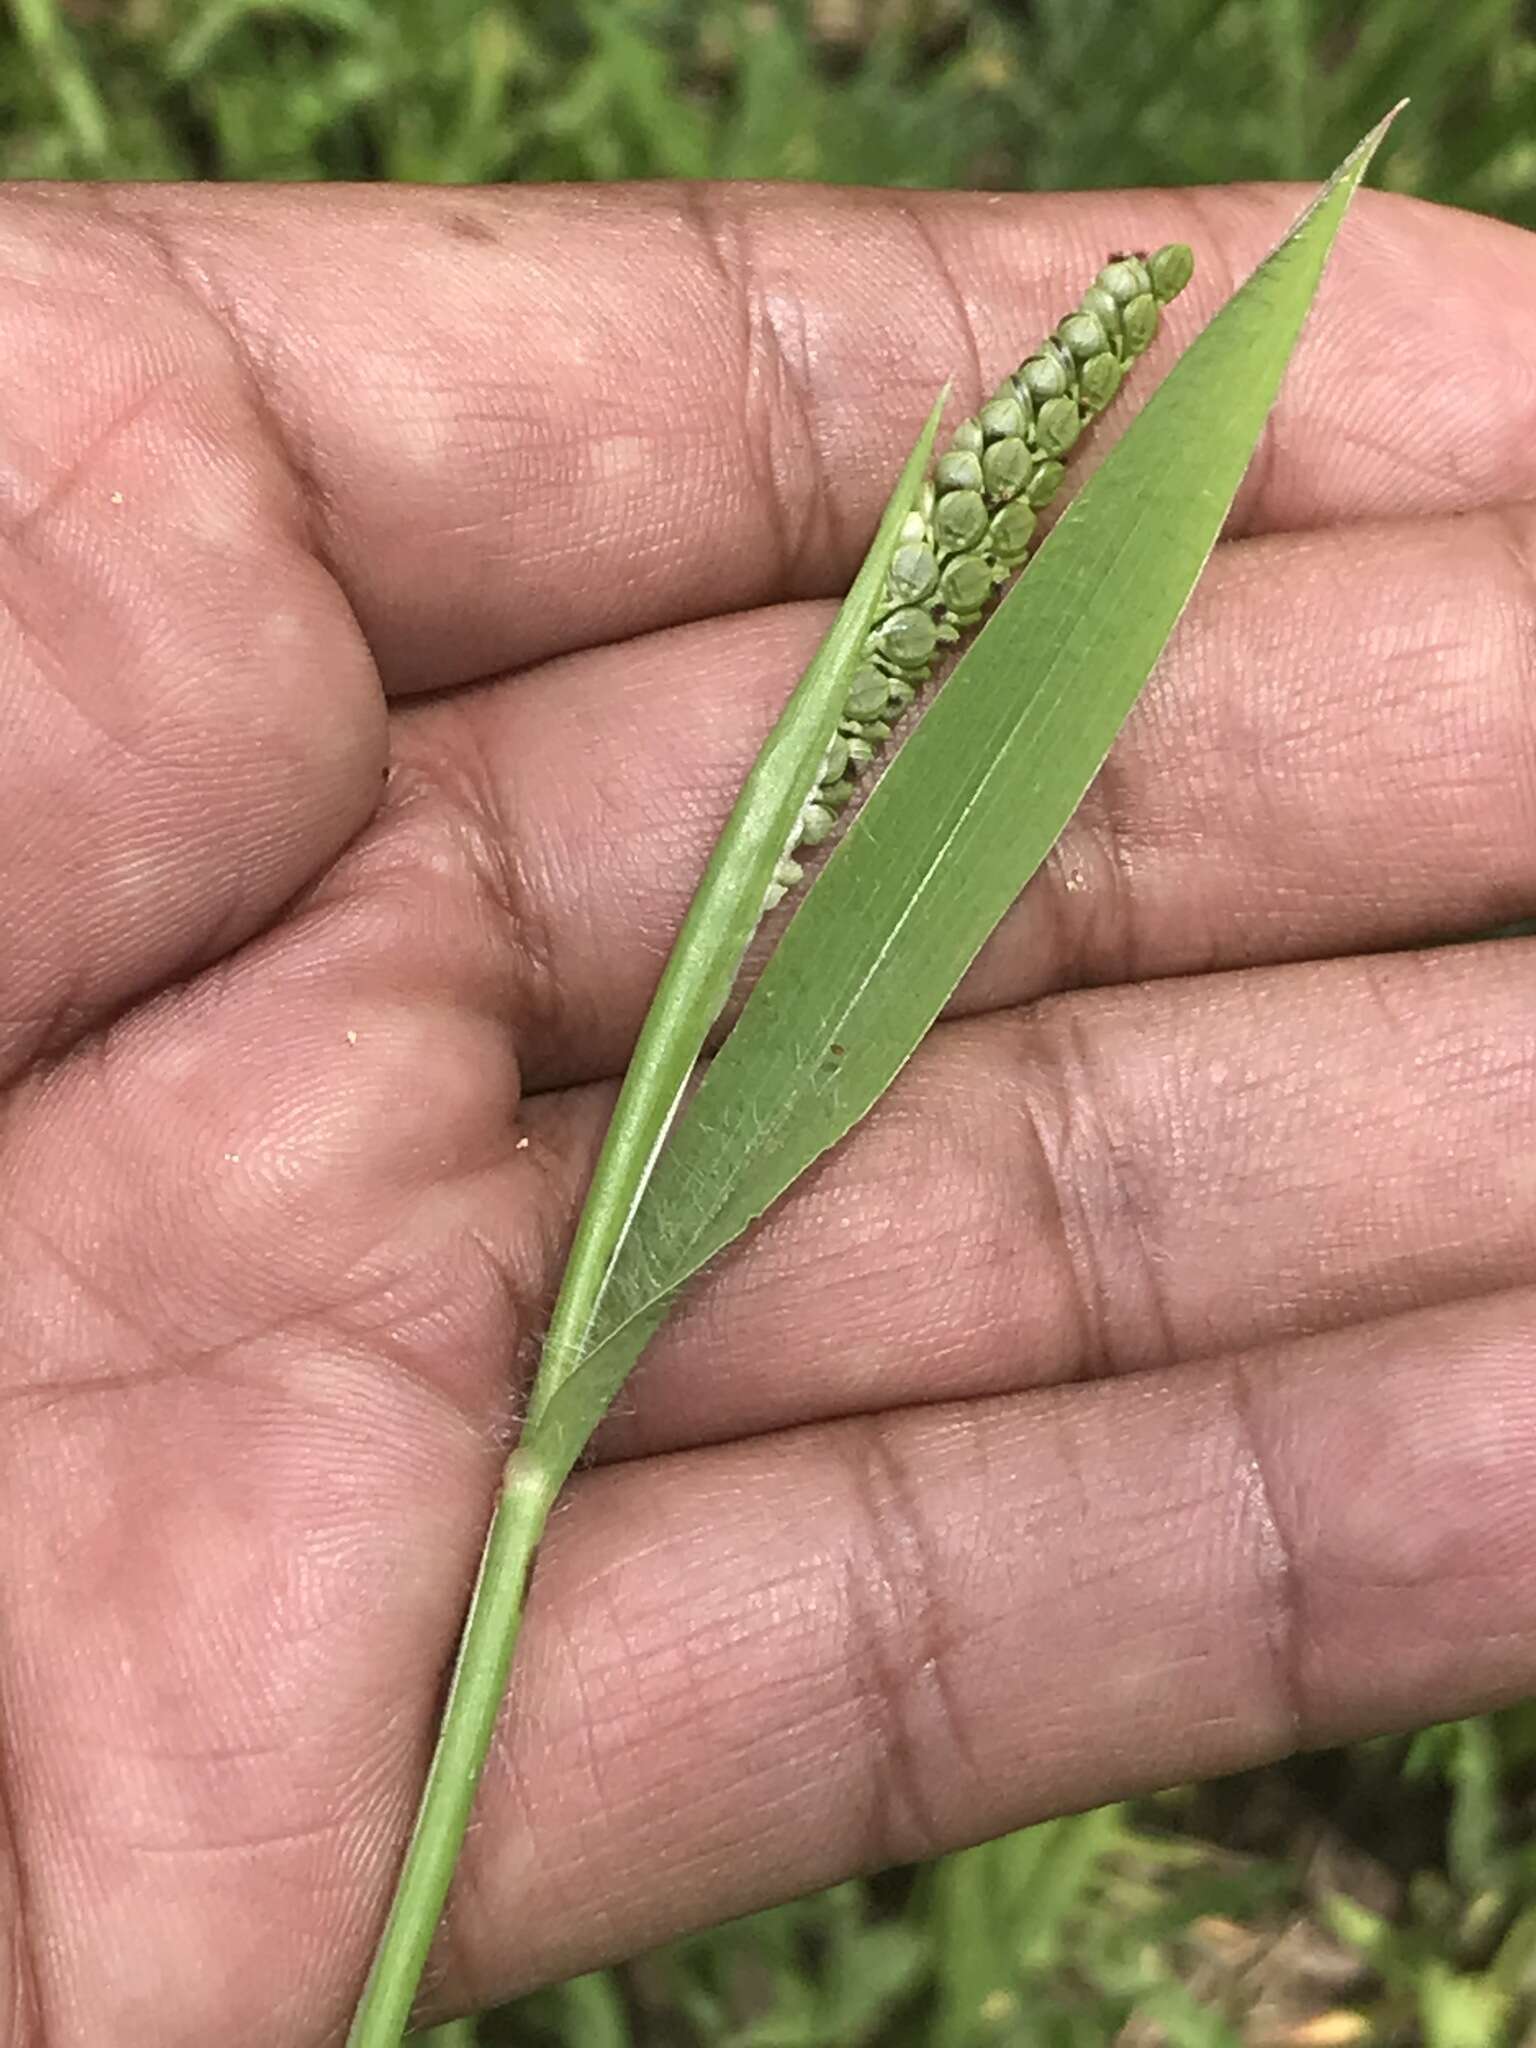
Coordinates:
(1336, 754)
(532, 421)
(750, 1671)
(190, 725)
(1113, 1182)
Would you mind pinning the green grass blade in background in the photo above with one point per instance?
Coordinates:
(63, 72)
(967, 810)
(1056, 96)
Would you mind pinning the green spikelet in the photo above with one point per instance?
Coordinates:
(975, 523)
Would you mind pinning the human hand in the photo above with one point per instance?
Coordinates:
(1145, 1389)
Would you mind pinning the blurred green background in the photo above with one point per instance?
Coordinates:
(1384, 1895)
(1041, 93)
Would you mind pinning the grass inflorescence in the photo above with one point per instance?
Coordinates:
(978, 515)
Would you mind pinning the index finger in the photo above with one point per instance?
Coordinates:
(532, 420)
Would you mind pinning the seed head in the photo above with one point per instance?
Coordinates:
(975, 520)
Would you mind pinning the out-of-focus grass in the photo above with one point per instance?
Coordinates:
(1051, 93)
(1385, 1895)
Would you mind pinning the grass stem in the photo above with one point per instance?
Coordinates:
(474, 1700)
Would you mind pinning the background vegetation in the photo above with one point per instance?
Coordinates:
(1384, 1895)
(1038, 93)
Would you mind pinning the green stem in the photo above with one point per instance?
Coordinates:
(475, 1692)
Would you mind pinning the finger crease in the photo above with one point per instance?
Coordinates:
(1276, 1566)
(199, 292)
(944, 272)
(25, 2026)
(778, 421)
(898, 1650)
(1516, 529)
(1095, 1179)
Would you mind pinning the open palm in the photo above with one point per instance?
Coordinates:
(394, 587)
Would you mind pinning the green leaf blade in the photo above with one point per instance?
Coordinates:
(967, 810)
